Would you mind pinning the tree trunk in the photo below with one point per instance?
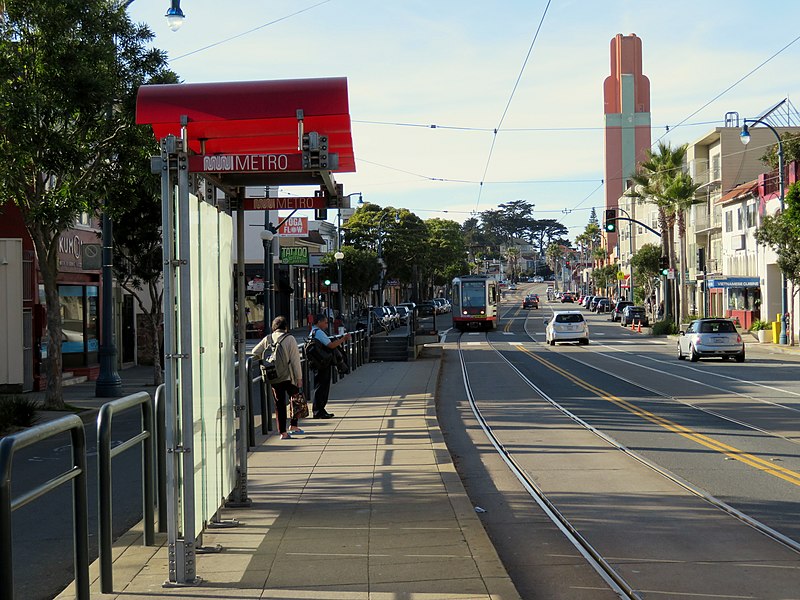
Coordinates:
(684, 304)
(47, 254)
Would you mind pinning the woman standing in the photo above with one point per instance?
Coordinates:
(284, 390)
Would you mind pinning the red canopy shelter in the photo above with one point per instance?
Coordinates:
(253, 117)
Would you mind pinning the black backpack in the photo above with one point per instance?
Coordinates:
(317, 354)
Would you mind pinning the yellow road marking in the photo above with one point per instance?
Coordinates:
(699, 438)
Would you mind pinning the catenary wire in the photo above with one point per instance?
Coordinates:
(508, 104)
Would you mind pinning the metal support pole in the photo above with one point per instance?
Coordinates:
(239, 495)
(341, 293)
(109, 383)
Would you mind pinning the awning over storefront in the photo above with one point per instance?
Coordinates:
(734, 282)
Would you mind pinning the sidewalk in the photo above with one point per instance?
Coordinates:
(367, 505)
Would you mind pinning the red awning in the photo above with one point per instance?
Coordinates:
(258, 117)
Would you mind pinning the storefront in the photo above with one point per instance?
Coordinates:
(742, 297)
(79, 293)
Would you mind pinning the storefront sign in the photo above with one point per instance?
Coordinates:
(734, 282)
(294, 227)
(70, 250)
(294, 255)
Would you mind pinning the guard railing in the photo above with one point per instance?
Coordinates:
(104, 455)
(80, 508)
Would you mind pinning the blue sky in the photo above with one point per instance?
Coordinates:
(454, 64)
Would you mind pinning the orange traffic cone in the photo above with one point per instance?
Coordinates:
(633, 325)
(639, 328)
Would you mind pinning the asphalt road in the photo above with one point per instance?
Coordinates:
(730, 430)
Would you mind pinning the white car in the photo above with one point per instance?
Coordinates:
(567, 326)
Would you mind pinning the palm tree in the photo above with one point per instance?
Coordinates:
(512, 256)
(660, 180)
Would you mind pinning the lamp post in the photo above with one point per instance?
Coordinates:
(266, 237)
(109, 383)
(339, 255)
(744, 136)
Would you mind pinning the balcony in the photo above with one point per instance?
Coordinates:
(705, 222)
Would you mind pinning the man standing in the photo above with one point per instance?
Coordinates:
(322, 376)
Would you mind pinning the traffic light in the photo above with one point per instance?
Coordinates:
(327, 282)
(663, 265)
(701, 259)
(315, 151)
(611, 220)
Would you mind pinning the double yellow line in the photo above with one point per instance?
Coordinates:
(699, 438)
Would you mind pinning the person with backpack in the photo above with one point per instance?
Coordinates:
(280, 349)
(322, 374)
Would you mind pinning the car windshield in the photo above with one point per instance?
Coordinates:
(717, 327)
(569, 318)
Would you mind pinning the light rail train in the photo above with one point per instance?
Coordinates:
(474, 302)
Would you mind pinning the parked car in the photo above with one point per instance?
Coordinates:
(567, 326)
(404, 312)
(586, 301)
(393, 315)
(595, 300)
(426, 309)
(711, 337)
(603, 306)
(633, 315)
(530, 302)
(616, 314)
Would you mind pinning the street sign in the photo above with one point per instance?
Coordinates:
(245, 163)
(671, 274)
(285, 203)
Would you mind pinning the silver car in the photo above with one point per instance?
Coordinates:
(711, 337)
(567, 326)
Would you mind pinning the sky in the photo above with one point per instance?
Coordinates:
(472, 67)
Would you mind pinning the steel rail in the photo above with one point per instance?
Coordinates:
(762, 528)
(613, 579)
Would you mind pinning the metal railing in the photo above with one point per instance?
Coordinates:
(80, 504)
(104, 455)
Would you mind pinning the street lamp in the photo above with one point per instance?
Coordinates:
(175, 16)
(745, 137)
(339, 255)
(266, 237)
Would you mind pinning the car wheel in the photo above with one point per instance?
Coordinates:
(693, 355)
(680, 353)
(584, 341)
(740, 357)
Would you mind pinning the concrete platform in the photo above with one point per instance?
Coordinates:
(366, 505)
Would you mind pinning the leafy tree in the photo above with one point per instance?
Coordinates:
(781, 232)
(134, 202)
(63, 66)
(646, 268)
(791, 150)
(360, 271)
(446, 250)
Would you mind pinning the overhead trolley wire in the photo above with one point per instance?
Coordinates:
(244, 33)
(508, 104)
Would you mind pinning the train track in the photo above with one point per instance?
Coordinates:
(613, 579)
